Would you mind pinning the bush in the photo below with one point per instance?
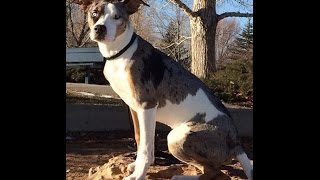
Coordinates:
(233, 83)
(97, 77)
(75, 75)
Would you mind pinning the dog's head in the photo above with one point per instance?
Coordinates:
(108, 19)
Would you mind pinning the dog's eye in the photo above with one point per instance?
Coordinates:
(94, 14)
(116, 17)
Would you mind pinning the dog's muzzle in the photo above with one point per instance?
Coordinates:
(100, 31)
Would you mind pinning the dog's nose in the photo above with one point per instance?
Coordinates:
(99, 29)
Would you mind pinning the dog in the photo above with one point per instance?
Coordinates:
(157, 88)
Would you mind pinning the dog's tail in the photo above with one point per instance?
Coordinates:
(246, 164)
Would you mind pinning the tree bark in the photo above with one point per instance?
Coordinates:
(203, 30)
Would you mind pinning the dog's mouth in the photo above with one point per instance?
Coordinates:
(99, 37)
(102, 38)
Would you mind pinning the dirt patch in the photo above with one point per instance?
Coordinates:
(113, 151)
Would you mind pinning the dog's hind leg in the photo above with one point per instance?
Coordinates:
(177, 147)
(202, 145)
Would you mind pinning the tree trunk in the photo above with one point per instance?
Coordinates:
(203, 29)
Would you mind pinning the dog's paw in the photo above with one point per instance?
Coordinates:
(131, 167)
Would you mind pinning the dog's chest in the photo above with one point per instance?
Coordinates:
(118, 75)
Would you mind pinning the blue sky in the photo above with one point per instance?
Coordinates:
(232, 6)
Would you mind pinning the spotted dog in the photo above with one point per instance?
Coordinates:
(157, 88)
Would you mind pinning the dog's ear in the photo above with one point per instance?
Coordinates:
(132, 6)
(84, 4)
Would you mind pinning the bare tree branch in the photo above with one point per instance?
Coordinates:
(77, 34)
(233, 14)
(84, 30)
(184, 7)
(174, 43)
(159, 23)
(243, 3)
(72, 24)
(85, 40)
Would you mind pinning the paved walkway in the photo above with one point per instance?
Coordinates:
(91, 88)
(107, 90)
(93, 118)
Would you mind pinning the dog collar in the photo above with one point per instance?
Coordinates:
(122, 50)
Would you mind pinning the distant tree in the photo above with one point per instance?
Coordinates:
(172, 45)
(141, 22)
(245, 39)
(77, 30)
(227, 31)
(244, 43)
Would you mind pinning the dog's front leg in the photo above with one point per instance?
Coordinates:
(135, 122)
(145, 154)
